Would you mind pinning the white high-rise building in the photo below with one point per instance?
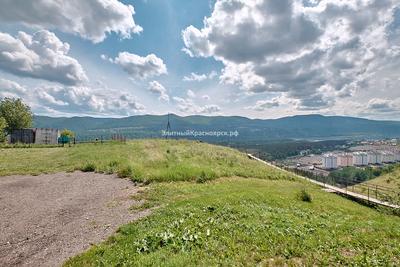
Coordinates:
(374, 157)
(345, 160)
(397, 156)
(329, 161)
(360, 159)
(388, 157)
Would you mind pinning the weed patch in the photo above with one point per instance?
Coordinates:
(89, 167)
(204, 177)
(125, 172)
(305, 196)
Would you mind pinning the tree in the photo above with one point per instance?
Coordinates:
(3, 125)
(67, 133)
(16, 114)
(66, 136)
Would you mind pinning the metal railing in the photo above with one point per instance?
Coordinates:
(359, 186)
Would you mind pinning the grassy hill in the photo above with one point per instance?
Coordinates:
(389, 180)
(141, 160)
(248, 222)
(304, 127)
(251, 215)
(385, 186)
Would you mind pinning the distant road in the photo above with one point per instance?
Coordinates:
(331, 187)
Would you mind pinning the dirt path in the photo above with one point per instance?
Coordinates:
(46, 219)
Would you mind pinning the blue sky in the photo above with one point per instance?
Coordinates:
(257, 58)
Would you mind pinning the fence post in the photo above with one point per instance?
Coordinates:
(376, 192)
(368, 193)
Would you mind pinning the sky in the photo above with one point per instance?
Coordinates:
(253, 58)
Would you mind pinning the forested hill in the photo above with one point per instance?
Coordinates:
(296, 127)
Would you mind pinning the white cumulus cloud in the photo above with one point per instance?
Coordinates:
(190, 94)
(42, 56)
(262, 105)
(314, 52)
(86, 100)
(383, 105)
(157, 88)
(90, 19)
(141, 67)
(199, 77)
(188, 106)
(11, 86)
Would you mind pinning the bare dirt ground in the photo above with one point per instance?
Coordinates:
(46, 219)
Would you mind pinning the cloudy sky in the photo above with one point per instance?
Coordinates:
(254, 58)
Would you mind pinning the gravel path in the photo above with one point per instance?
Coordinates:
(46, 219)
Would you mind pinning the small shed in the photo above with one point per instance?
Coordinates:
(42, 136)
(46, 136)
(25, 136)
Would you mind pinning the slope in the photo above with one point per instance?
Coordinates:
(388, 180)
(251, 215)
(248, 222)
(141, 160)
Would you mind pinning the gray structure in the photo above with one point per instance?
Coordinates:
(46, 136)
(42, 136)
(24, 136)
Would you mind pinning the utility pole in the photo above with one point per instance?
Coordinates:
(168, 128)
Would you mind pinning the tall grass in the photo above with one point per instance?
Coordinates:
(141, 160)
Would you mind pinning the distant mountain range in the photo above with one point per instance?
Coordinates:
(297, 127)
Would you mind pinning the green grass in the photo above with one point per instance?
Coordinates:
(236, 222)
(142, 160)
(199, 220)
(390, 180)
(385, 187)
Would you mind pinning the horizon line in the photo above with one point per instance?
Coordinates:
(211, 116)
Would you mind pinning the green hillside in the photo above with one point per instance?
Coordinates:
(142, 160)
(150, 126)
(389, 180)
(382, 183)
(386, 186)
(249, 222)
(251, 215)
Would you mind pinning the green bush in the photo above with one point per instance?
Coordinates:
(125, 172)
(204, 177)
(113, 163)
(111, 167)
(303, 195)
(89, 167)
(3, 125)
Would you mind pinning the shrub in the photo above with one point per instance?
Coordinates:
(138, 175)
(204, 177)
(113, 163)
(125, 172)
(89, 167)
(304, 196)
(111, 167)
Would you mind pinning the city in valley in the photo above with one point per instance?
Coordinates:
(362, 154)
